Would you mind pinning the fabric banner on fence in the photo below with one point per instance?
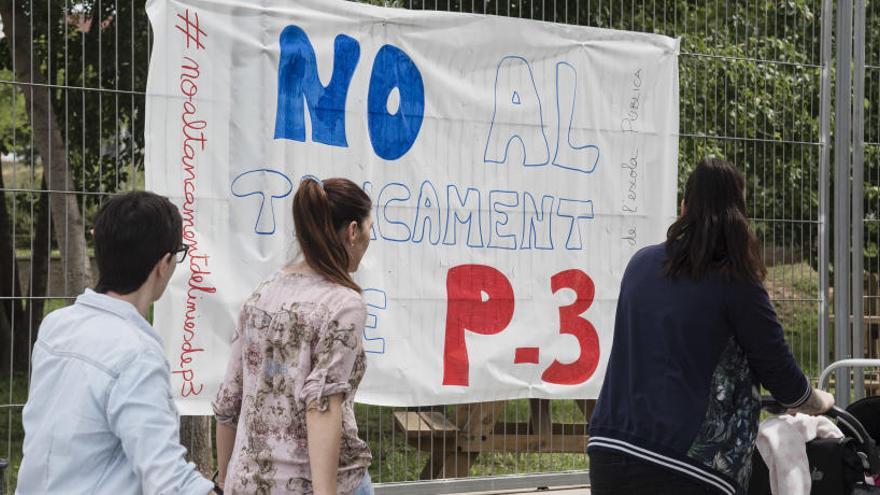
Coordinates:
(515, 167)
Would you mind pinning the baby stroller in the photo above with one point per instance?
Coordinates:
(838, 465)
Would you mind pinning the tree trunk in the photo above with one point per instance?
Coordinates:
(65, 212)
(39, 275)
(5, 341)
(10, 290)
(40, 253)
(195, 435)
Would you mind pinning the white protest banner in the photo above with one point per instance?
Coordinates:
(515, 167)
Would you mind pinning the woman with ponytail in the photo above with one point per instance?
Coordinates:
(285, 410)
(694, 335)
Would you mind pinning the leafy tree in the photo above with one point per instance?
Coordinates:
(80, 69)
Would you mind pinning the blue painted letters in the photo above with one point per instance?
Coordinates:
(393, 133)
(427, 215)
(268, 185)
(517, 115)
(395, 97)
(298, 80)
(501, 205)
(464, 211)
(581, 158)
(390, 229)
(575, 211)
(537, 225)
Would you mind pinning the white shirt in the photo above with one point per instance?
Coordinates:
(100, 418)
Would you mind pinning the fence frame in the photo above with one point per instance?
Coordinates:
(847, 199)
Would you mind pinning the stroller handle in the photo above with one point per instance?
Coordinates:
(866, 444)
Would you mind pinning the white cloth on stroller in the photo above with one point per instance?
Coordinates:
(782, 442)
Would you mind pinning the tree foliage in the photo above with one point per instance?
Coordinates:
(95, 54)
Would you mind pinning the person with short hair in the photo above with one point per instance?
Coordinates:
(694, 336)
(100, 418)
(285, 409)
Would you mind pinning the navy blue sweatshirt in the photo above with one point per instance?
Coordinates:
(681, 385)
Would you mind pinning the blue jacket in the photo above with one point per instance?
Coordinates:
(681, 385)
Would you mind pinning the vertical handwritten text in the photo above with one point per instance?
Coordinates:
(193, 129)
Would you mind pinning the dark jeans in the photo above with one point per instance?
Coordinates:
(620, 474)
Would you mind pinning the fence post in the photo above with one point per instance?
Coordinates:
(842, 158)
(858, 192)
(824, 182)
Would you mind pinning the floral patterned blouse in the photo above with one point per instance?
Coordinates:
(298, 341)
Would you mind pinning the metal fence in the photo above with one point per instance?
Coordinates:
(756, 80)
(752, 81)
(866, 201)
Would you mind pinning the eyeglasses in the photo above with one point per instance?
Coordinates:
(180, 253)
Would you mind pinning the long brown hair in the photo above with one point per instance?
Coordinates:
(713, 232)
(320, 210)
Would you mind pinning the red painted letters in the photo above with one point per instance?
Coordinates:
(572, 323)
(194, 141)
(480, 300)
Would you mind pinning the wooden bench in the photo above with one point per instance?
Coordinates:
(454, 442)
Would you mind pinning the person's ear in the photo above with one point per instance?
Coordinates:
(352, 232)
(164, 264)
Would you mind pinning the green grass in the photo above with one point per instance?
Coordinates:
(517, 411)
(395, 460)
(54, 255)
(795, 293)
(13, 390)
